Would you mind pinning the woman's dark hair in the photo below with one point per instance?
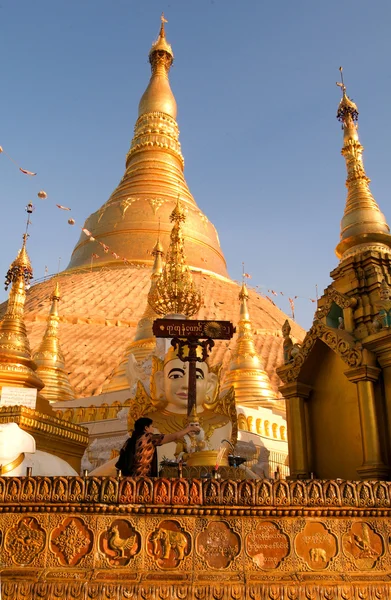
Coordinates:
(140, 425)
(126, 456)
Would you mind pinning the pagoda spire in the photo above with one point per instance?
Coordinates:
(363, 224)
(144, 341)
(50, 359)
(174, 291)
(154, 175)
(246, 373)
(158, 96)
(17, 369)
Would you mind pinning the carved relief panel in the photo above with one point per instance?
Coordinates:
(169, 544)
(316, 545)
(267, 545)
(119, 542)
(25, 541)
(362, 544)
(71, 541)
(218, 544)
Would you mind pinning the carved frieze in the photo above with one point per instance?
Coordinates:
(110, 492)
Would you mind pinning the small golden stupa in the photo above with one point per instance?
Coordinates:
(246, 373)
(18, 370)
(49, 358)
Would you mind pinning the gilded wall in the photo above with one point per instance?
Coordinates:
(88, 538)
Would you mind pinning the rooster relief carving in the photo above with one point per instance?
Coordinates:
(118, 544)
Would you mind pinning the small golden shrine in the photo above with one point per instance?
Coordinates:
(337, 383)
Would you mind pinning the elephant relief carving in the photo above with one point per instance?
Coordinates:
(165, 540)
(318, 555)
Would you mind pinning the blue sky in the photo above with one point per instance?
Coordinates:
(255, 87)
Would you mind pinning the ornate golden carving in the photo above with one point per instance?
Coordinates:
(174, 291)
(331, 296)
(316, 545)
(363, 545)
(120, 542)
(71, 541)
(168, 544)
(218, 544)
(267, 545)
(341, 342)
(25, 541)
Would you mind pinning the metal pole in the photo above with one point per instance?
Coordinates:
(192, 359)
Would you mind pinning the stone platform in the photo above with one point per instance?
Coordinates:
(89, 538)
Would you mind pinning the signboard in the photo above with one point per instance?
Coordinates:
(169, 328)
(17, 396)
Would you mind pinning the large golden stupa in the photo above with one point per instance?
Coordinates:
(102, 305)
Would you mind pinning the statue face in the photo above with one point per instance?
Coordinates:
(173, 383)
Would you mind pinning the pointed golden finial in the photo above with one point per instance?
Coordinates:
(174, 291)
(161, 51)
(246, 373)
(16, 365)
(363, 224)
(157, 253)
(158, 97)
(50, 359)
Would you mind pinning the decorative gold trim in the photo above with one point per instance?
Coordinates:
(12, 465)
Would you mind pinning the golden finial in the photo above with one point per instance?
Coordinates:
(246, 373)
(157, 253)
(50, 359)
(158, 97)
(347, 108)
(161, 50)
(174, 291)
(363, 224)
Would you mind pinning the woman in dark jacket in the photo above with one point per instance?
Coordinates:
(138, 456)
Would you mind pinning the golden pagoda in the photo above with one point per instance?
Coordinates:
(50, 359)
(337, 383)
(186, 538)
(246, 373)
(102, 309)
(129, 221)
